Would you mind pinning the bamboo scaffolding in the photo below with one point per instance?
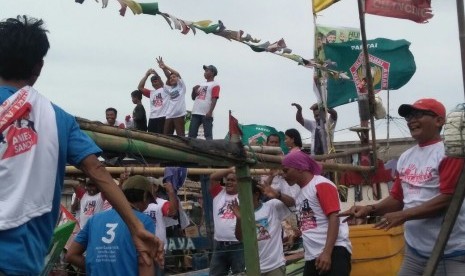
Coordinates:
(173, 146)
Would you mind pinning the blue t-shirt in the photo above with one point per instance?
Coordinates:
(109, 246)
(23, 249)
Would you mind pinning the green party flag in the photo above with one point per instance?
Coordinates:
(392, 66)
(257, 135)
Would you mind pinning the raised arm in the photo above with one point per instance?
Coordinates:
(166, 69)
(269, 192)
(142, 82)
(333, 114)
(298, 115)
(220, 174)
(172, 198)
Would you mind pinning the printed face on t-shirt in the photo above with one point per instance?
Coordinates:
(225, 212)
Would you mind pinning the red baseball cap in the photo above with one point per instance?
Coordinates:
(423, 104)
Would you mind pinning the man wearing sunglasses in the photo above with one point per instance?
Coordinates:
(425, 181)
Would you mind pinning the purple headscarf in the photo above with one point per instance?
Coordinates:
(301, 161)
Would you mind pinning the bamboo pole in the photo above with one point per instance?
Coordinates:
(171, 142)
(369, 79)
(121, 144)
(447, 225)
(461, 21)
(248, 227)
(264, 149)
(160, 171)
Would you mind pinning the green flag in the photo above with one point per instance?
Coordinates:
(257, 135)
(392, 66)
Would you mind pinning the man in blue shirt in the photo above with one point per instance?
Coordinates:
(37, 140)
(107, 240)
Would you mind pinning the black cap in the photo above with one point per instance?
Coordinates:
(211, 68)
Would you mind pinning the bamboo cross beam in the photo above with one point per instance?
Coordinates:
(160, 171)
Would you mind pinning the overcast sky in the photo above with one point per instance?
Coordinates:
(98, 57)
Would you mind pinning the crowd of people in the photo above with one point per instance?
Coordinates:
(127, 238)
(167, 113)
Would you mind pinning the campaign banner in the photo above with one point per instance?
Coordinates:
(415, 10)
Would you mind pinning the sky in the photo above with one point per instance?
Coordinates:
(98, 57)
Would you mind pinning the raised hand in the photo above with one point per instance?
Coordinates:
(235, 208)
(297, 106)
(160, 62)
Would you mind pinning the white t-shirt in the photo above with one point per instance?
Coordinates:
(223, 217)
(154, 210)
(176, 100)
(158, 103)
(203, 100)
(268, 219)
(418, 169)
(90, 205)
(312, 219)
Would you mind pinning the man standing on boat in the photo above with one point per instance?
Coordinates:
(317, 127)
(422, 191)
(158, 101)
(325, 238)
(228, 252)
(205, 97)
(33, 158)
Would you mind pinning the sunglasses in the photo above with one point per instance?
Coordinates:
(417, 114)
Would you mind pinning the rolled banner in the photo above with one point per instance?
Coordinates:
(454, 135)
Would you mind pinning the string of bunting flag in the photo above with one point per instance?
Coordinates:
(209, 27)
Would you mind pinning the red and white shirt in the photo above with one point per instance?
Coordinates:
(157, 211)
(318, 199)
(424, 172)
(203, 101)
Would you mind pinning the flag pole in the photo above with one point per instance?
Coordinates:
(461, 21)
(369, 80)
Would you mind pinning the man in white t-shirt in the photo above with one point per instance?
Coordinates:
(423, 188)
(176, 91)
(325, 237)
(275, 178)
(205, 97)
(268, 217)
(228, 252)
(91, 202)
(317, 127)
(158, 101)
(110, 114)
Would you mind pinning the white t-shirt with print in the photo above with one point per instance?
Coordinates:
(313, 222)
(268, 219)
(90, 205)
(223, 216)
(176, 100)
(158, 103)
(203, 100)
(418, 169)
